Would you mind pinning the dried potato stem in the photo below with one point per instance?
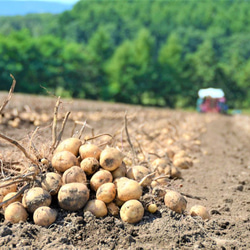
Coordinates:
(84, 125)
(128, 137)
(15, 179)
(145, 178)
(31, 144)
(1, 163)
(54, 125)
(62, 128)
(10, 93)
(15, 143)
(194, 197)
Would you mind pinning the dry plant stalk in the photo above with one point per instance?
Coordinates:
(54, 125)
(10, 94)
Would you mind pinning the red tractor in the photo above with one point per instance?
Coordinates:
(211, 100)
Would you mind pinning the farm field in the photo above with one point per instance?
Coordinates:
(218, 179)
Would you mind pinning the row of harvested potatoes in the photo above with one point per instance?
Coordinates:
(94, 180)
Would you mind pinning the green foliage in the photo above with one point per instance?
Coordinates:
(160, 52)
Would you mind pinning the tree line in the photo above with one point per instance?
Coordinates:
(149, 52)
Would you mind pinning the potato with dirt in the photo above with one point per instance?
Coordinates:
(73, 196)
(90, 165)
(199, 210)
(51, 182)
(70, 144)
(99, 178)
(15, 213)
(106, 192)
(127, 189)
(132, 211)
(111, 158)
(97, 208)
(175, 201)
(63, 160)
(35, 198)
(44, 216)
(74, 174)
(89, 150)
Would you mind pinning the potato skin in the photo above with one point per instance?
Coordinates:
(120, 171)
(199, 210)
(132, 211)
(99, 178)
(7, 189)
(89, 150)
(36, 197)
(63, 160)
(127, 189)
(111, 159)
(15, 213)
(52, 182)
(74, 174)
(70, 144)
(97, 208)
(90, 165)
(175, 201)
(73, 196)
(106, 192)
(44, 216)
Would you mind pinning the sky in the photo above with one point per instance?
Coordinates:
(59, 1)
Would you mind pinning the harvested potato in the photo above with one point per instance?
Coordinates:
(70, 144)
(63, 160)
(97, 208)
(118, 202)
(74, 174)
(99, 178)
(137, 172)
(120, 171)
(106, 192)
(111, 158)
(152, 208)
(51, 182)
(199, 210)
(132, 211)
(15, 213)
(173, 172)
(113, 209)
(90, 165)
(8, 196)
(7, 189)
(175, 201)
(160, 181)
(183, 162)
(127, 189)
(35, 198)
(158, 191)
(73, 196)
(44, 216)
(180, 154)
(89, 150)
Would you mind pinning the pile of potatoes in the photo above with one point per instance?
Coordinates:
(96, 180)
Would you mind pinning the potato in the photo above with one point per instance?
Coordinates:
(99, 178)
(51, 182)
(73, 196)
(132, 211)
(160, 182)
(113, 209)
(7, 189)
(173, 172)
(199, 210)
(8, 196)
(74, 174)
(15, 212)
(118, 202)
(127, 189)
(152, 208)
(137, 172)
(175, 201)
(89, 150)
(70, 144)
(180, 154)
(90, 165)
(97, 208)
(44, 216)
(63, 160)
(183, 162)
(36, 197)
(120, 171)
(106, 192)
(111, 159)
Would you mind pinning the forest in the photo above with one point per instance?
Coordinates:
(146, 52)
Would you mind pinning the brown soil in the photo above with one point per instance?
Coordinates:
(220, 176)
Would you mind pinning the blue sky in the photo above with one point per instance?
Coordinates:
(59, 1)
